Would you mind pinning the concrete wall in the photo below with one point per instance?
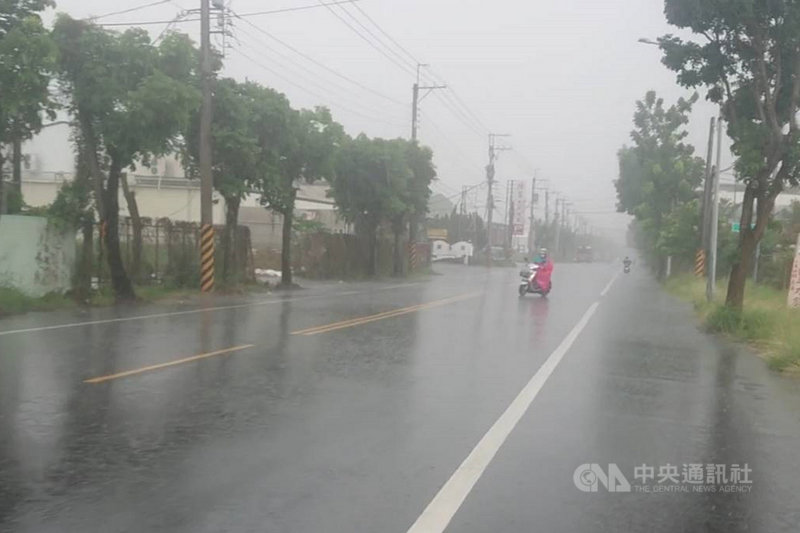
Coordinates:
(35, 257)
(175, 201)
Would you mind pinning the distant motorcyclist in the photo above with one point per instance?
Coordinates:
(627, 263)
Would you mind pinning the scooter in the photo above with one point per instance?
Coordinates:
(529, 285)
(627, 268)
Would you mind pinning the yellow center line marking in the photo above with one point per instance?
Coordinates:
(384, 315)
(150, 368)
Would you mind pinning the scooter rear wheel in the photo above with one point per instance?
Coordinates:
(522, 290)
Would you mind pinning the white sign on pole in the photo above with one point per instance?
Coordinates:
(794, 287)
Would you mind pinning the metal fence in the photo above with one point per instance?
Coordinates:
(167, 253)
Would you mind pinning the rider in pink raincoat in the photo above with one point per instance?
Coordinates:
(545, 271)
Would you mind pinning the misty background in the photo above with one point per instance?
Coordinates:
(560, 77)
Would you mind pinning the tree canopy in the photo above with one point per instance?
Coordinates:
(132, 100)
(659, 173)
(746, 53)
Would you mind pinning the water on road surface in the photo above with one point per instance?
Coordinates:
(450, 404)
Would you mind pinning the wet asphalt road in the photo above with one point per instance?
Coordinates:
(356, 427)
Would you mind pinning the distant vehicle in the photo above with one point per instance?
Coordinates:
(585, 254)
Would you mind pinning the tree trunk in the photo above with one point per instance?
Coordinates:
(90, 152)
(136, 219)
(748, 241)
(286, 245)
(121, 283)
(230, 256)
(398, 256)
(372, 267)
(83, 277)
(16, 176)
(2, 184)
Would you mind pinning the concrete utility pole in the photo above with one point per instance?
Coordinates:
(712, 266)
(509, 213)
(490, 173)
(547, 206)
(557, 222)
(705, 210)
(206, 179)
(416, 99)
(532, 230)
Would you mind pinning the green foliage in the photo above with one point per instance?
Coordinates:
(301, 146)
(679, 236)
(371, 181)
(747, 54)
(301, 225)
(724, 319)
(658, 178)
(131, 94)
(72, 207)
(27, 57)
(237, 158)
(13, 301)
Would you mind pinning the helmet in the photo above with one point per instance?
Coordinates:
(543, 252)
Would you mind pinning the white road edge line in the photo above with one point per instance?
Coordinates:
(610, 283)
(440, 511)
(193, 311)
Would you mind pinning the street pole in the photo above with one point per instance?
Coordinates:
(557, 223)
(206, 180)
(564, 220)
(416, 99)
(547, 206)
(490, 174)
(415, 109)
(705, 211)
(413, 226)
(712, 272)
(532, 230)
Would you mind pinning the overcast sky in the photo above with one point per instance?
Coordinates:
(561, 77)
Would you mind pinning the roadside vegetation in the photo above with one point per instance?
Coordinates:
(130, 99)
(744, 57)
(15, 302)
(766, 324)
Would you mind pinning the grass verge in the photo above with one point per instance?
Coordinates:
(766, 323)
(14, 302)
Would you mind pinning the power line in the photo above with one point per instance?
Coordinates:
(129, 10)
(318, 63)
(313, 93)
(242, 15)
(388, 36)
(412, 64)
(296, 8)
(311, 78)
(366, 39)
(454, 102)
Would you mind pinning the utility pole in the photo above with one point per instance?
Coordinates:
(490, 174)
(547, 213)
(557, 223)
(564, 220)
(416, 99)
(712, 267)
(206, 180)
(705, 211)
(532, 230)
(510, 214)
